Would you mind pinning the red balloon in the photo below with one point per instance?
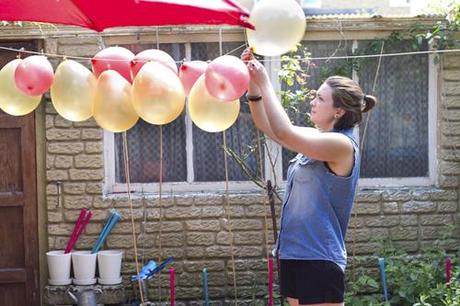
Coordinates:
(113, 58)
(152, 55)
(34, 75)
(227, 78)
(189, 72)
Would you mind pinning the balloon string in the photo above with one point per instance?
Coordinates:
(261, 169)
(160, 186)
(355, 215)
(128, 181)
(227, 209)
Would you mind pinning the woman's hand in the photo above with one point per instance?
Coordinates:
(257, 71)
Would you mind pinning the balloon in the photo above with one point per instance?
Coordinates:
(247, 4)
(12, 100)
(157, 93)
(112, 108)
(72, 91)
(209, 113)
(280, 25)
(34, 75)
(227, 78)
(189, 72)
(152, 55)
(114, 58)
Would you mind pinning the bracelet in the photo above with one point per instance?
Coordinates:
(253, 98)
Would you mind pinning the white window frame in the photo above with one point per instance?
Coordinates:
(275, 151)
(400, 3)
(317, 4)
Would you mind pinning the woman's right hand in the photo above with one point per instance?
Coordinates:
(257, 71)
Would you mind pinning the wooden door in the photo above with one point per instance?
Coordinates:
(19, 274)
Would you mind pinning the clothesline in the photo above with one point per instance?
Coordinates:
(262, 60)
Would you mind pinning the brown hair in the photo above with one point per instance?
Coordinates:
(348, 95)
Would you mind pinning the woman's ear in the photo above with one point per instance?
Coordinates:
(339, 113)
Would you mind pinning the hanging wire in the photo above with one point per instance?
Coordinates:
(261, 60)
(126, 160)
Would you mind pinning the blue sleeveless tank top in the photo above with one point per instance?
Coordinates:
(316, 209)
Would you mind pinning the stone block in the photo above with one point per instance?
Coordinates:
(63, 161)
(212, 211)
(451, 88)
(86, 175)
(92, 134)
(74, 188)
(390, 207)
(368, 196)
(362, 208)
(382, 221)
(69, 148)
(248, 238)
(200, 238)
(62, 134)
(404, 233)
(202, 225)
(418, 207)
(94, 147)
(436, 219)
(77, 202)
(164, 226)
(57, 175)
(89, 161)
(409, 220)
(61, 122)
(448, 207)
(211, 265)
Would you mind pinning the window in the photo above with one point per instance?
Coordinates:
(311, 3)
(190, 156)
(398, 144)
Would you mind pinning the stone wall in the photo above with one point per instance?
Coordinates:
(195, 227)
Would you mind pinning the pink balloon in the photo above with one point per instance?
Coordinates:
(227, 78)
(189, 72)
(34, 75)
(152, 55)
(113, 58)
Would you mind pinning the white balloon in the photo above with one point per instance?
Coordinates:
(279, 26)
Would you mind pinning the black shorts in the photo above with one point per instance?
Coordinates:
(312, 281)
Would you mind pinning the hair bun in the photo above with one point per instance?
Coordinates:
(369, 103)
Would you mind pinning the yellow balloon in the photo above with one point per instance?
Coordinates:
(157, 93)
(209, 113)
(112, 107)
(279, 26)
(72, 91)
(12, 100)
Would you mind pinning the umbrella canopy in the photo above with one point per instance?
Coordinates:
(102, 14)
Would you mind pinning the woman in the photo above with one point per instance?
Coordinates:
(321, 183)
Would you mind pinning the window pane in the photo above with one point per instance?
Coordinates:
(144, 140)
(144, 153)
(208, 155)
(396, 140)
(318, 71)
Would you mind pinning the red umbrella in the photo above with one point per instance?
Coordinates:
(102, 14)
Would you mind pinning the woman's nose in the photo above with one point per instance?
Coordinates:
(312, 102)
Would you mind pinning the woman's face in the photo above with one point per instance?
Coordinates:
(323, 113)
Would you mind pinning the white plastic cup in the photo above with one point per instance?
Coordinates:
(58, 268)
(84, 267)
(109, 264)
